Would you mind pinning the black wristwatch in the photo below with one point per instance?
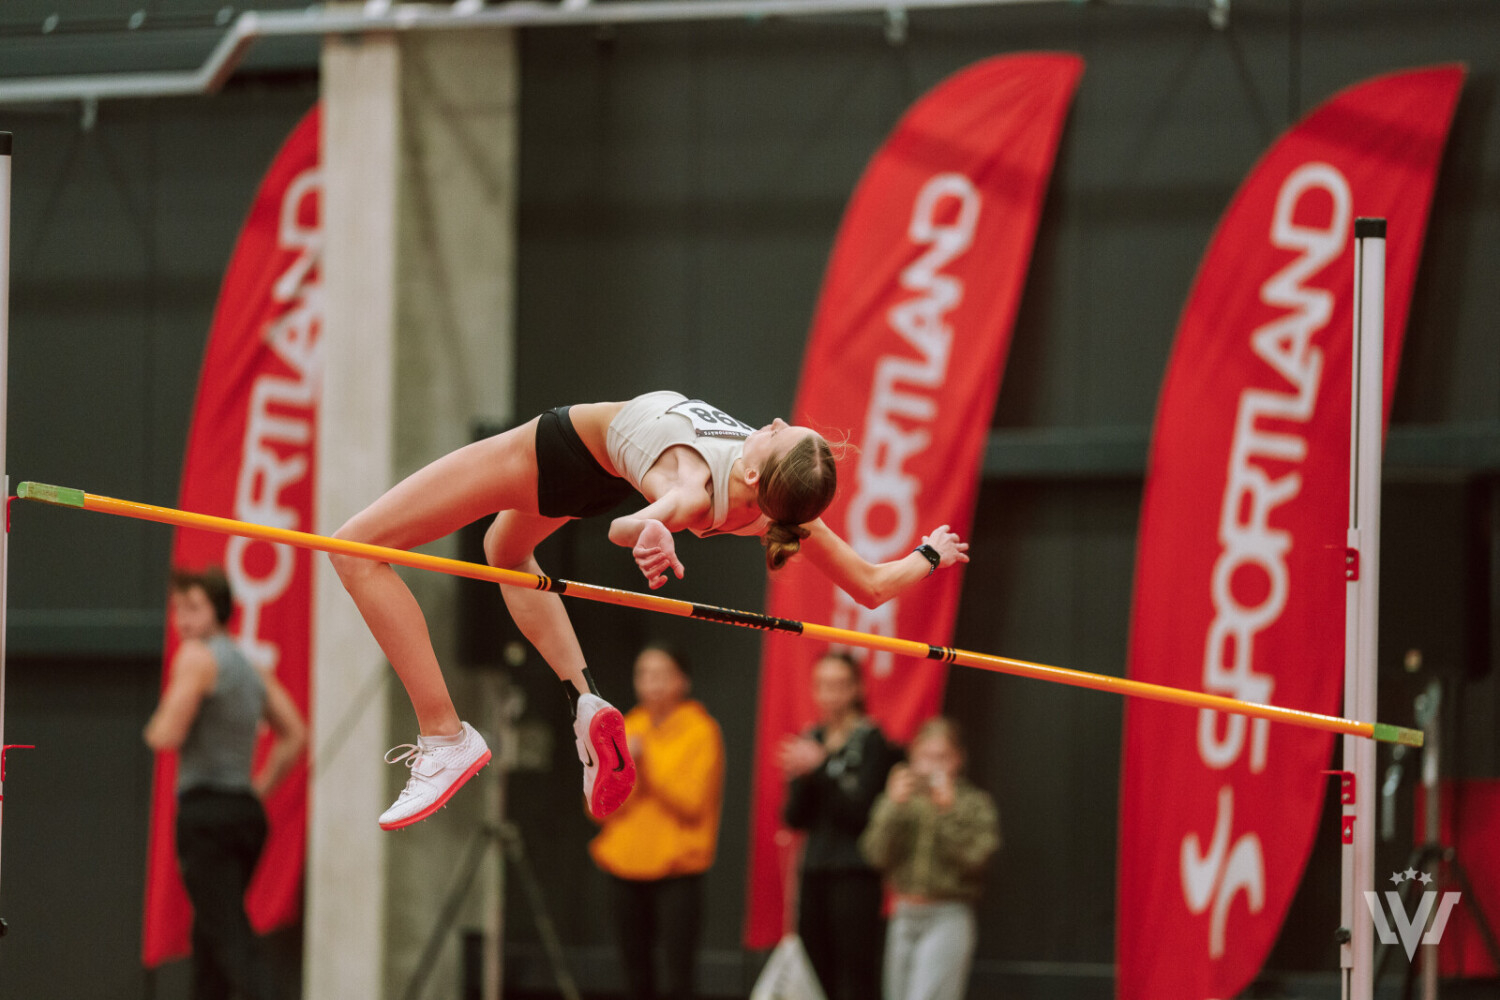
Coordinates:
(931, 555)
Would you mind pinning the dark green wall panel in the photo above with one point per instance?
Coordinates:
(681, 187)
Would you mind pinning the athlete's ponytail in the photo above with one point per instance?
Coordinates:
(794, 490)
(781, 542)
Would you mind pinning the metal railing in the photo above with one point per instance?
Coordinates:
(375, 16)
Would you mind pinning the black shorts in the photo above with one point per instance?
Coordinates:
(570, 482)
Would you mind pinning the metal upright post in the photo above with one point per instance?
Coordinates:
(1432, 753)
(4, 383)
(1362, 597)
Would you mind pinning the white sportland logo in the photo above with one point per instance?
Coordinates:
(279, 432)
(944, 220)
(1265, 456)
(1410, 929)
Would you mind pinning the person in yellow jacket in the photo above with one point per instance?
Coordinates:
(657, 845)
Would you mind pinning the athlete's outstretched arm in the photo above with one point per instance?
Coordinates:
(872, 584)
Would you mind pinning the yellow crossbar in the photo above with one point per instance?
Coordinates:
(62, 496)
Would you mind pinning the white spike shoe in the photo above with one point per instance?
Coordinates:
(608, 771)
(436, 773)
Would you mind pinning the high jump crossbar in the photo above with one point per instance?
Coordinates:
(66, 497)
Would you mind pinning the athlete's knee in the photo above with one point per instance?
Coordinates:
(503, 552)
(350, 567)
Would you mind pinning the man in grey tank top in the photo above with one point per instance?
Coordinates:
(210, 713)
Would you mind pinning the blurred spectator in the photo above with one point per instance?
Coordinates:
(657, 845)
(931, 834)
(836, 770)
(210, 712)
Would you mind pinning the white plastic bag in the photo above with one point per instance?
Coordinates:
(788, 974)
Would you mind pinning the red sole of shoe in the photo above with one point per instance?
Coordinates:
(474, 769)
(613, 785)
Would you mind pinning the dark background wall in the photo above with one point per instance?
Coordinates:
(680, 191)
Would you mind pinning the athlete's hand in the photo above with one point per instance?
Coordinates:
(948, 546)
(655, 552)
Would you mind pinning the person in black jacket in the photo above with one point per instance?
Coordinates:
(835, 772)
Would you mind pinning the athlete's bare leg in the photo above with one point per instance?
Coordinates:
(510, 543)
(498, 473)
(598, 727)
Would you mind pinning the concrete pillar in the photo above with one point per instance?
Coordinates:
(454, 366)
(345, 919)
(420, 175)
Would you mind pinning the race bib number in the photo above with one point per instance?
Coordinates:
(709, 421)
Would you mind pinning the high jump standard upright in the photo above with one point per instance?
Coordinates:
(1362, 601)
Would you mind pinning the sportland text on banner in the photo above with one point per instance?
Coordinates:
(905, 355)
(250, 456)
(1239, 585)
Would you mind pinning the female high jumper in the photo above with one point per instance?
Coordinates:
(700, 470)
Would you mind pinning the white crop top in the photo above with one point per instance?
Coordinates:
(650, 424)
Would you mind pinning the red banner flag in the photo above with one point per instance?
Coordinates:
(1239, 585)
(1468, 820)
(906, 350)
(250, 456)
